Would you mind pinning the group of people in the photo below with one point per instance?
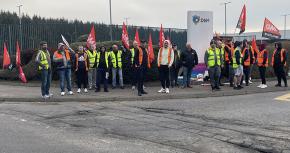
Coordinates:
(234, 61)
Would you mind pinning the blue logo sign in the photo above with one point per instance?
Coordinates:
(197, 19)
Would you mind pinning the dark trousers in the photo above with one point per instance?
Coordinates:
(231, 74)
(246, 76)
(133, 75)
(280, 74)
(140, 73)
(164, 76)
(214, 74)
(262, 71)
(101, 77)
(45, 82)
(223, 74)
(82, 78)
(174, 75)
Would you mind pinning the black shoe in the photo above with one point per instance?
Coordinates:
(189, 86)
(144, 92)
(247, 84)
(213, 88)
(139, 94)
(106, 90)
(278, 85)
(237, 88)
(97, 90)
(113, 87)
(286, 85)
(222, 85)
(217, 88)
(241, 87)
(122, 87)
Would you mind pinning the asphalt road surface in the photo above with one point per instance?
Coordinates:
(248, 123)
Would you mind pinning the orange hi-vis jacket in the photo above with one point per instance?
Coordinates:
(261, 58)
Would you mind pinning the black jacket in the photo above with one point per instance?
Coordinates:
(189, 58)
(144, 60)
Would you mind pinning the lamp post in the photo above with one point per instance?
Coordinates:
(225, 4)
(20, 25)
(285, 25)
(111, 30)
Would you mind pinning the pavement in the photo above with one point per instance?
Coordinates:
(18, 92)
(253, 123)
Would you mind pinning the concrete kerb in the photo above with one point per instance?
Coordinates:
(145, 98)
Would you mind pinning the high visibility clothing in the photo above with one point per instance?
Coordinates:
(107, 54)
(141, 57)
(235, 64)
(211, 57)
(227, 56)
(160, 56)
(92, 57)
(247, 62)
(58, 55)
(43, 61)
(261, 58)
(132, 55)
(281, 56)
(115, 59)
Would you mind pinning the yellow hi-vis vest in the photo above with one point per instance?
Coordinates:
(235, 65)
(115, 59)
(92, 57)
(132, 55)
(211, 57)
(106, 58)
(43, 61)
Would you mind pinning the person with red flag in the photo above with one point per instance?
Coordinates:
(6, 58)
(165, 61)
(262, 63)
(63, 62)
(247, 62)
(279, 62)
(92, 53)
(43, 62)
(132, 66)
(141, 62)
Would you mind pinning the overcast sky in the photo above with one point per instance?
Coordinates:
(171, 13)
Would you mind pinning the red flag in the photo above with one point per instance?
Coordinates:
(254, 45)
(150, 49)
(270, 31)
(18, 57)
(125, 37)
(92, 38)
(22, 76)
(242, 20)
(161, 37)
(137, 37)
(6, 58)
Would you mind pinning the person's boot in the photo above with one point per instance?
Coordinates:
(97, 90)
(278, 85)
(139, 93)
(144, 92)
(217, 88)
(106, 90)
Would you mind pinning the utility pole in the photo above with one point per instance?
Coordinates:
(111, 30)
(20, 25)
(126, 19)
(285, 25)
(225, 4)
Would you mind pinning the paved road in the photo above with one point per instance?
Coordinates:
(247, 123)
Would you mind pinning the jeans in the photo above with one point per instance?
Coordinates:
(164, 76)
(140, 73)
(280, 74)
(214, 74)
(101, 77)
(45, 81)
(246, 76)
(65, 75)
(186, 75)
(91, 77)
(82, 78)
(114, 75)
(262, 71)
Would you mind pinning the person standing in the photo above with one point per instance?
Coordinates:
(165, 61)
(102, 67)
(237, 66)
(62, 59)
(189, 60)
(229, 50)
(279, 62)
(43, 62)
(174, 69)
(132, 66)
(116, 59)
(263, 64)
(221, 47)
(213, 61)
(247, 62)
(141, 62)
(92, 53)
(82, 68)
